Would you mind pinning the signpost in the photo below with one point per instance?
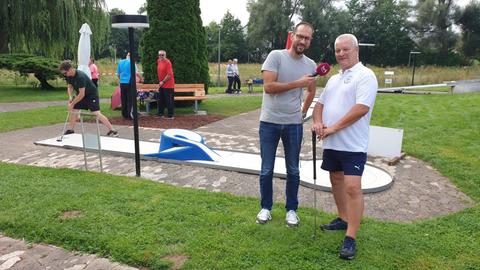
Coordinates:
(412, 56)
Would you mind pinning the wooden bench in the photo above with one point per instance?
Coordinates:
(195, 92)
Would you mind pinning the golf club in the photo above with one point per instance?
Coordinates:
(314, 152)
(64, 127)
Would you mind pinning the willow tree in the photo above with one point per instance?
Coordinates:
(50, 27)
(181, 35)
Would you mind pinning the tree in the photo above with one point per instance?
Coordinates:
(433, 26)
(269, 23)
(42, 68)
(328, 22)
(233, 43)
(118, 39)
(50, 27)
(142, 9)
(386, 25)
(211, 31)
(469, 21)
(183, 38)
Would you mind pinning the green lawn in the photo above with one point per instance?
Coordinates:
(139, 222)
(221, 90)
(226, 106)
(443, 130)
(25, 94)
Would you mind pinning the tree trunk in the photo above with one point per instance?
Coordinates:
(43, 81)
(4, 39)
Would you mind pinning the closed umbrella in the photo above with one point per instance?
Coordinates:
(84, 49)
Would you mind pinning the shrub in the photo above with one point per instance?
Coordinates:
(42, 68)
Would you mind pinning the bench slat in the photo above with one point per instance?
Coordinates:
(190, 98)
(197, 90)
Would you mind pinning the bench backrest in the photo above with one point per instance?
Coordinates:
(198, 89)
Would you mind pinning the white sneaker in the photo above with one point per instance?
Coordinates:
(292, 219)
(263, 216)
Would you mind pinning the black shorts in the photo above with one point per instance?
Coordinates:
(350, 163)
(90, 103)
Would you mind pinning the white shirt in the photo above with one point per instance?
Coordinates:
(357, 85)
(235, 70)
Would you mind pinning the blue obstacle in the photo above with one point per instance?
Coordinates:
(182, 144)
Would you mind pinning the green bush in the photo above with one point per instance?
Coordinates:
(183, 38)
(42, 68)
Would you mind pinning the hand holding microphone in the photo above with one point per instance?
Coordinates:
(321, 70)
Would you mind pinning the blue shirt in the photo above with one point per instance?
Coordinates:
(123, 70)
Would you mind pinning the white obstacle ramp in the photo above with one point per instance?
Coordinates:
(374, 179)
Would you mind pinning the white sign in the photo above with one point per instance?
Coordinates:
(385, 142)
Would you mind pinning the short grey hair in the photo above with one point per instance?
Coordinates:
(349, 36)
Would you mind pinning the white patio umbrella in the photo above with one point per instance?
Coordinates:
(84, 49)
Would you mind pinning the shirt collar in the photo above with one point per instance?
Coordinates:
(356, 67)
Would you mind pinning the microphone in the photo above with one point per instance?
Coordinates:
(321, 70)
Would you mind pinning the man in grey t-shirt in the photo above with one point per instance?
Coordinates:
(285, 74)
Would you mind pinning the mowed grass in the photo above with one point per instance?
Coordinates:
(402, 75)
(226, 106)
(443, 130)
(140, 222)
(43, 116)
(11, 93)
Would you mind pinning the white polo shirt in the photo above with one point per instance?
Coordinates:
(357, 85)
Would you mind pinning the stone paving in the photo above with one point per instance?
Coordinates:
(15, 254)
(419, 191)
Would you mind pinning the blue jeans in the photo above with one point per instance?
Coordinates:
(291, 136)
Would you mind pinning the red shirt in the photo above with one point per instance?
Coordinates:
(164, 68)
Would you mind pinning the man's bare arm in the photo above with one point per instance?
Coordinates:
(272, 86)
(311, 90)
(355, 113)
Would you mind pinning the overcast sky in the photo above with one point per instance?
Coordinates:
(212, 10)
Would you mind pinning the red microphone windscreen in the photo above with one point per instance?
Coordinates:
(323, 69)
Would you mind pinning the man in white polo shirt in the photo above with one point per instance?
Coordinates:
(341, 118)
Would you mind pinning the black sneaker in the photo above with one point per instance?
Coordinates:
(68, 131)
(112, 133)
(347, 252)
(337, 224)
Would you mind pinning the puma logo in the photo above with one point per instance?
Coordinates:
(357, 167)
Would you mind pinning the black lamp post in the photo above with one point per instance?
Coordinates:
(412, 56)
(131, 22)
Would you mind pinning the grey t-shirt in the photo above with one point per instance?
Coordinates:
(285, 107)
